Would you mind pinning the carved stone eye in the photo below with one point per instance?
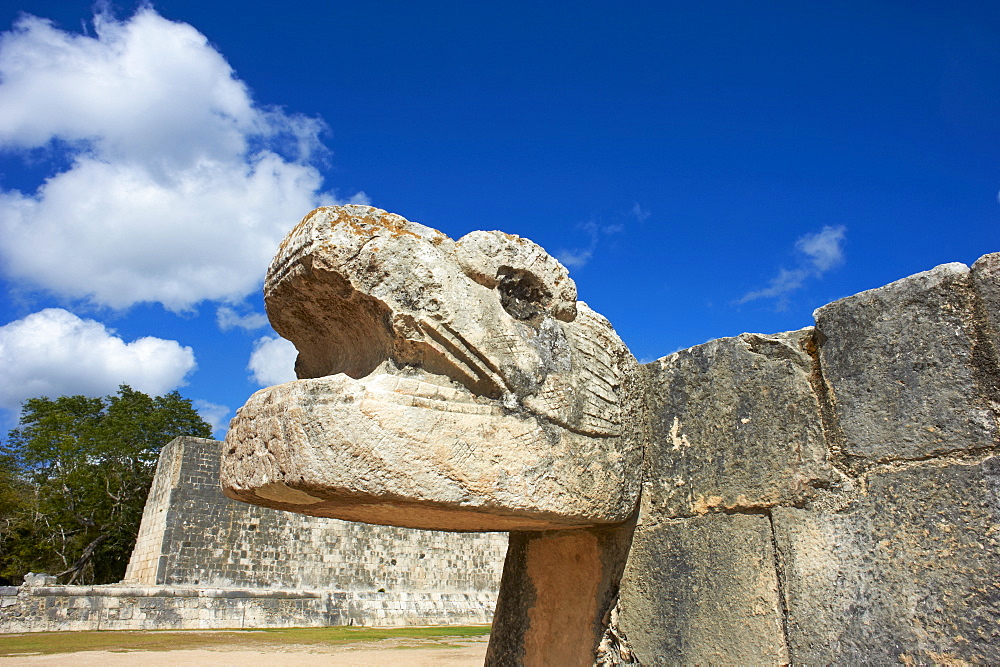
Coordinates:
(490, 258)
(522, 294)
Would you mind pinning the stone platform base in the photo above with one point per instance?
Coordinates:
(118, 607)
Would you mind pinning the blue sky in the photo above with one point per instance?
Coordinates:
(704, 169)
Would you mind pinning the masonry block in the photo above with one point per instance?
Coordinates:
(902, 368)
(906, 571)
(734, 423)
(703, 590)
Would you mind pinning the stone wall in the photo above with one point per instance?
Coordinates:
(827, 495)
(830, 494)
(192, 535)
(131, 607)
(202, 560)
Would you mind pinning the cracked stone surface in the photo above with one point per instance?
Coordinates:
(986, 279)
(762, 539)
(703, 590)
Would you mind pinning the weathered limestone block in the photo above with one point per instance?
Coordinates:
(735, 429)
(986, 280)
(734, 425)
(901, 365)
(454, 385)
(703, 590)
(906, 572)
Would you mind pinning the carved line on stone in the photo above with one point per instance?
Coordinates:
(779, 577)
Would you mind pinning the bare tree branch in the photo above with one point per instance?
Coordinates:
(87, 554)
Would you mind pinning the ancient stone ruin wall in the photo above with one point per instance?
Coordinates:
(830, 494)
(192, 535)
(827, 495)
(204, 561)
(47, 608)
(147, 557)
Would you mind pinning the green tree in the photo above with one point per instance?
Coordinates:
(81, 469)
(13, 492)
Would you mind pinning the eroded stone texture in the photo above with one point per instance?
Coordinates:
(703, 590)
(900, 362)
(907, 572)
(734, 424)
(445, 384)
(986, 280)
(556, 595)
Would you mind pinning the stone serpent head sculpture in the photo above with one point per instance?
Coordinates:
(452, 385)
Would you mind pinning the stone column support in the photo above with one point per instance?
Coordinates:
(556, 595)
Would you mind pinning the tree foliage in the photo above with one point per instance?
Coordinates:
(74, 476)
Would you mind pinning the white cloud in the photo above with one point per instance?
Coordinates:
(214, 414)
(823, 248)
(577, 258)
(179, 186)
(640, 213)
(53, 353)
(786, 281)
(228, 318)
(272, 361)
(818, 253)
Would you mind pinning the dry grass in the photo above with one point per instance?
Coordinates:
(46, 643)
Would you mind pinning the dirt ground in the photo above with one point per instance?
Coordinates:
(467, 651)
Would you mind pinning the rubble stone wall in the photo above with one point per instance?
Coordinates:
(828, 495)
